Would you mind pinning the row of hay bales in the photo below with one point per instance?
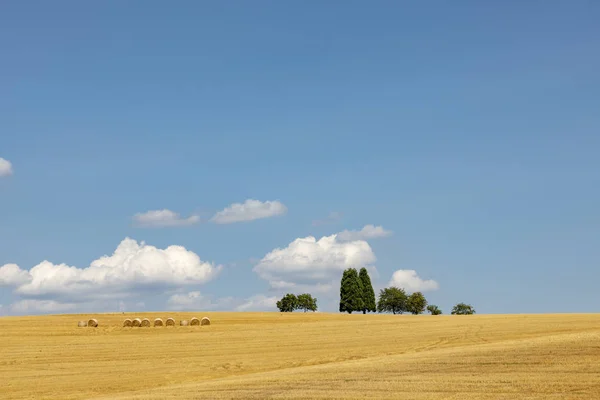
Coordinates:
(145, 322)
(137, 322)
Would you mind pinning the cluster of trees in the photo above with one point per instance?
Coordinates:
(357, 294)
(291, 302)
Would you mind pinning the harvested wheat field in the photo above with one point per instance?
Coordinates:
(303, 356)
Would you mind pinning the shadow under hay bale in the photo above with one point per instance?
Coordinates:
(205, 321)
(170, 322)
(145, 322)
(158, 322)
(93, 323)
(136, 322)
(195, 322)
(184, 322)
(82, 324)
(127, 323)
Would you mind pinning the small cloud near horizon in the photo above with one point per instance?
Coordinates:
(250, 210)
(163, 218)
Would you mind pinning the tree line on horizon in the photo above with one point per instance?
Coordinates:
(357, 295)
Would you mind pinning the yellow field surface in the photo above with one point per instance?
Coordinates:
(303, 356)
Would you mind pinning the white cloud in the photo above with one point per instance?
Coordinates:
(133, 268)
(333, 217)
(163, 218)
(411, 282)
(258, 302)
(307, 262)
(367, 232)
(30, 306)
(250, 210)
(5, 167)
(12, 275)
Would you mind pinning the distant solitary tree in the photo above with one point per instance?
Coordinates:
(392, 300)
(350, 292)
(368, 294)
(288, 303)
(306, 302)
(463, 309)
(433, 309)
(416, 303)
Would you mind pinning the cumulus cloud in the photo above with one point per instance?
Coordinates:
(5, 167)
(259, 302)
(367, 232)
(330, 219)
(133, 268)
(12, 275)
(307, 262)
(411, 282)
(250, 210)
(163, 218)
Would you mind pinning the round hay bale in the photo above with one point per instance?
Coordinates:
(93, 323)
(127, 322)
(158, 322)
(195, 322)
(205, 321)
(82, 324)
(136, 322)
(170, 322)
(145, 322)
(184, 322)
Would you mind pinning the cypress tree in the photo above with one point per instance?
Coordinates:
(351, 292)
(368, 294)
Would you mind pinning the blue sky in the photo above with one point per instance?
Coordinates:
(467, 133)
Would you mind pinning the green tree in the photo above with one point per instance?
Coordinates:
(433, 309)
(368, 294)
(306, 302)
(288, 303)
(416, 303)
(392, 300)
(463, 309)
(350, 292)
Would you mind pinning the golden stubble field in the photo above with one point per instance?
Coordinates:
(303, 356)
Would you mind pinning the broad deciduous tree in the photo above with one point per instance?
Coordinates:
(433, 309)
(392, 300)
(288, 303)
(463, 309)
(306, 302)
(416, 303)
